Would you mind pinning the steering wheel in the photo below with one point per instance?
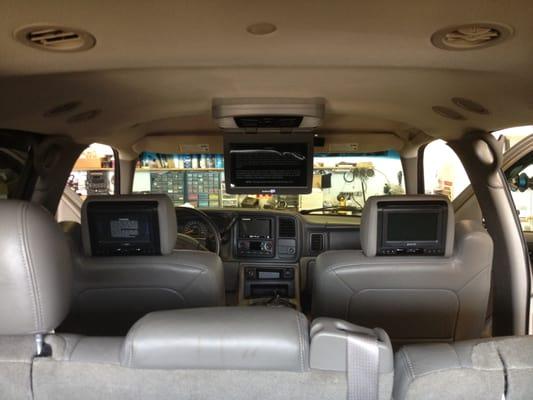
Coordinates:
(213, 235)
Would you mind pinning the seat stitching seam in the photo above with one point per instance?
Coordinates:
(353, 293)
(15, 362)
(409, 363)
(40, 314)
(25, 261)
(474, 277)
(133, 265)
(186, 287)
(356, 264)
(300, 341)
(456, 355)
(459, 368)
(99, 288)
(131, 342)
(71, 353)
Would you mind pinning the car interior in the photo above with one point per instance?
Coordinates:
(257, 200)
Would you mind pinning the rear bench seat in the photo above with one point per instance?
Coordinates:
(209, 353)
(498, 368)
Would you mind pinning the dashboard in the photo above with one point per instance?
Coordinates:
(266, 240)
(271, 236)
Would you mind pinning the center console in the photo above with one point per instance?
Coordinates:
(269, 284)
(266, 244)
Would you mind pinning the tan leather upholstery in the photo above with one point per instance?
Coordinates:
(236, 338)
(121, 289)
(35, 280)
(35, 270)
(414, 298)
(496, 368)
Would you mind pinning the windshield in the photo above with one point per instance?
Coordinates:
(341, 182)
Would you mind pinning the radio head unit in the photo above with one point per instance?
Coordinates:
(255, 228)
(255, 237)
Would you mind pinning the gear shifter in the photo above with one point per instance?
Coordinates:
(276, 301)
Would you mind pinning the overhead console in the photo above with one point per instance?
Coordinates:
(268, 143)
(268, 114)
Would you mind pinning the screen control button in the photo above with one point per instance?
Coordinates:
(249, 273)
(288, 273)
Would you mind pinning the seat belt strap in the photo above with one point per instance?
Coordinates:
(362, 367)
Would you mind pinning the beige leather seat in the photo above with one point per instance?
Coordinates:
(209, 353)
(111, 292)
(484, 369)
(414, 298)
(212, 353)
(35, 279)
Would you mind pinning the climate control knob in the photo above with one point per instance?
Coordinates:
(267, 246)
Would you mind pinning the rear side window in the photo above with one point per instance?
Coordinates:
(520, 178)
(94, 172)
(443, 171)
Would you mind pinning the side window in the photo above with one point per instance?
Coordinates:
(443, 171)
(93, 174)
(520, 178)
(513, 136)
(14, 157)
(12, 164)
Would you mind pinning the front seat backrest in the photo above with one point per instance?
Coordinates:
(112, 291)
(35, 281)
(413, 297)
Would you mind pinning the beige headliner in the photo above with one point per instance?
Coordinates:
(158, 64)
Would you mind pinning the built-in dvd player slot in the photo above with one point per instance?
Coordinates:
(255, 237)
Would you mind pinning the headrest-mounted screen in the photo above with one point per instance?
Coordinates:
(412, 228)
(407, 225)
(122, 228)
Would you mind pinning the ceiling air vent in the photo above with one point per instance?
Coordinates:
(62, 109)
(447, 112)
(287, 228)
(317, 243)
(55, 38)
(470, 105)
(471, 36)
(84, 116)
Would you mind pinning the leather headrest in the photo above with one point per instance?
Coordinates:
(238, 338)
(166, 218)
(35, 270)
(369, 220)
